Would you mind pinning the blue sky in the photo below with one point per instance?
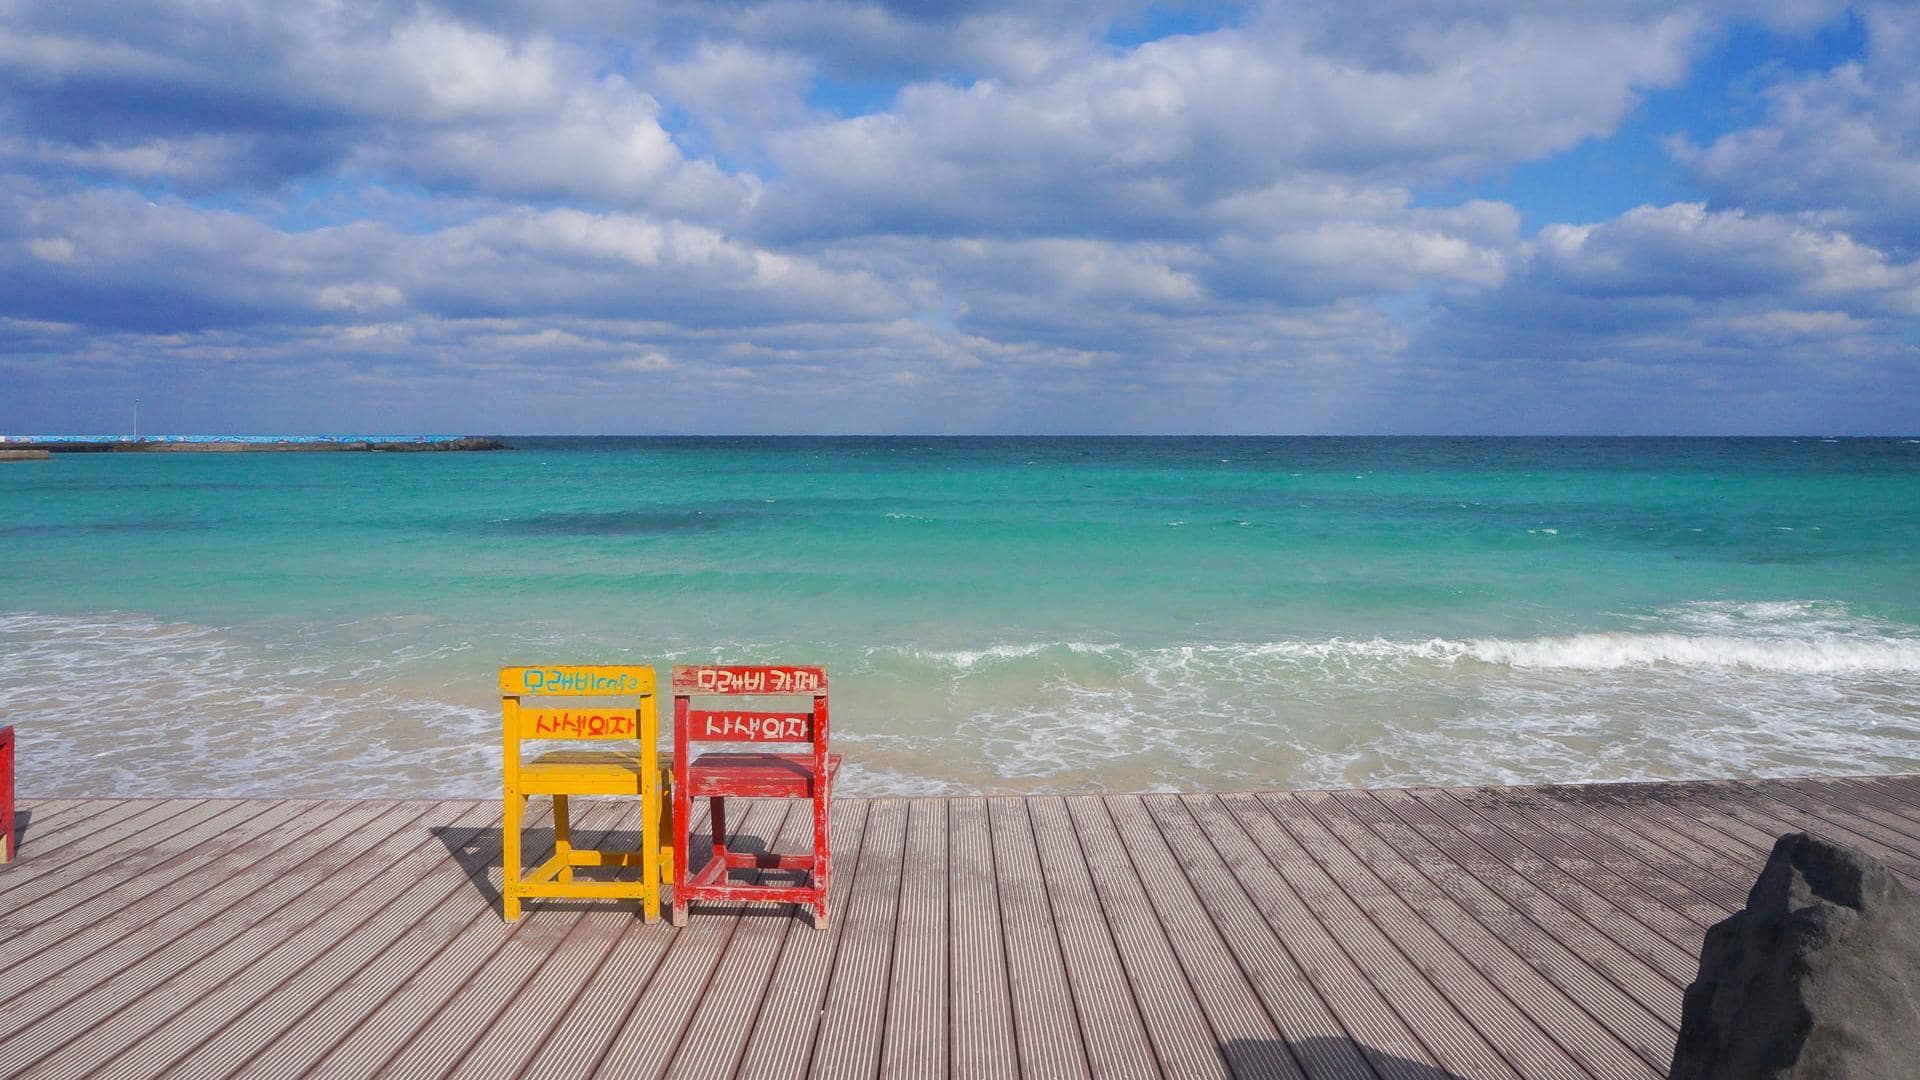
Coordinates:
(835, 216)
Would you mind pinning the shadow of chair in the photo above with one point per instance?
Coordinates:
(1316, 1056)
(476, 850)
(19, 839)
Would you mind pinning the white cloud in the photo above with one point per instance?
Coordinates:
(1842, 144)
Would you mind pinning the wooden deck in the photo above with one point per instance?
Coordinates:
(1539, 932)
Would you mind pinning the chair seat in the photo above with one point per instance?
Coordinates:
(587, 772)
(766, 776)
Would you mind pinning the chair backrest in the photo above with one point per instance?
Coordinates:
(638, 724)
(691, 725)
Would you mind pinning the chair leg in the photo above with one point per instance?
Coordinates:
(822, 855)
(562, 836)
(650, 850)
(682, 813)
(719, 829)
(510, 857)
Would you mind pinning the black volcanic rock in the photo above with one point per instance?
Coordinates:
(1817, 979)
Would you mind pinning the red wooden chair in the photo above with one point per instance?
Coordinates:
(720, 775)
(6, 794)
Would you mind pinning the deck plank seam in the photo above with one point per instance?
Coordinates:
(323, 1053)
(1881, 796)
(267, 993)
(559, 949)
(700, 971)
(459, 987)
(245, 1063)
(1257, 1007)
(1624, 897)
(160, 945)
(107, 855)
(1526, 887)
(1458, 957)
(249, 965)
(119, 813)
(1538, 814)
(1877, 816)
(1582, 968)
(120, 980)
(1515, 958)
(1631, 820)
(1609, 934)
(1369, 967)
(1160, 927)
(111, 885)
(1326, 1008)
(1305, 970)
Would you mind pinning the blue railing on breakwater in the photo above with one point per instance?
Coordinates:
(266, 440)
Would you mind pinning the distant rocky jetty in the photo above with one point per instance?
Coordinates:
(239, 445)
(1817, 979)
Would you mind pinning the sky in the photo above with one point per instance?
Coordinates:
(832, 216)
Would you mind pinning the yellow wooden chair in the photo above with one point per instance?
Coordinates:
(635, 769)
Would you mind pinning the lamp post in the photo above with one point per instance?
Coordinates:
(136, 419)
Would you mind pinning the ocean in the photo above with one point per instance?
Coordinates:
(997, 614)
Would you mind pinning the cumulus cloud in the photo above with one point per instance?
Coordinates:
(1843, 144)
(854, 215)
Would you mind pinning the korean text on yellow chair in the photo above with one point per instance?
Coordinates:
(635, 769)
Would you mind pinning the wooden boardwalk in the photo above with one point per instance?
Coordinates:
(1409, 935)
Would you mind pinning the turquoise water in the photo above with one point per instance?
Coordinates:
(998, 614)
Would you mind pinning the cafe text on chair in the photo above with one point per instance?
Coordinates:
(803, 771)
(630, 765)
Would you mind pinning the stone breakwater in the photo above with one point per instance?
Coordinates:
(236, 446)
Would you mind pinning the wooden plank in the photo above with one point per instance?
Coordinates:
(84, 904)
(466, 914)
(789, 1018)
(1102, 994)
(1679, 855)
(281, 908)
(495, 951)
(915, 1039)
(645, 1042)
(1769, 817)
(496, 1016)
(1466, 868)
(1506, 1023)
(981, 1013)
(226, 1028)
(1885, 795)
(1183, 1041)
(84, 993)
(1664, 879)
(1585, 1014)
(125, 847)
(575, 1045)
(1242, 1029)
(1621, 915)
(717, 1036)
(1668, 909)
(68, 954)
(854, 1016)
(1351, 934)
(38, 820)
(1323, 919)
(1835, 804)
(62, 842)
(1671, 807)
(1046, 1026)
(1334, 1027)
